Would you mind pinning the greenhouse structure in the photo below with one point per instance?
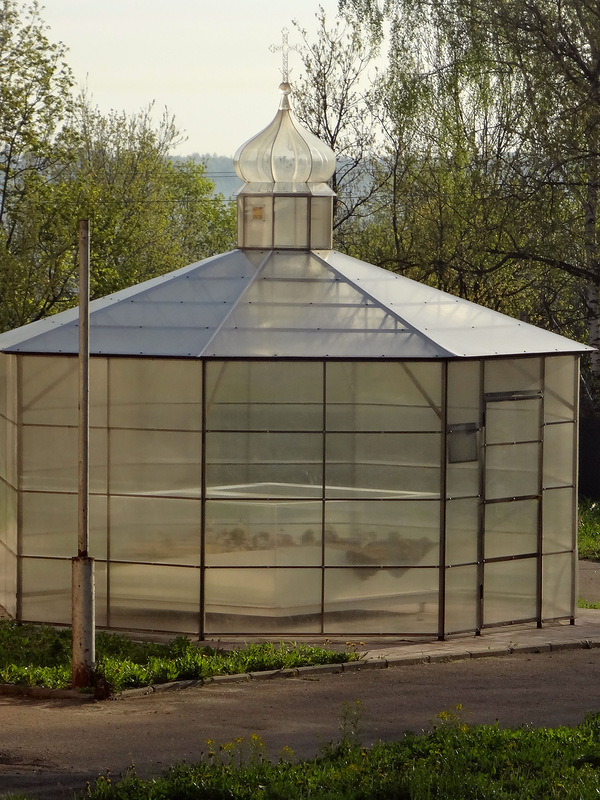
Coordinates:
(287, 440)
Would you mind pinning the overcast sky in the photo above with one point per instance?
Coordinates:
(207, 61)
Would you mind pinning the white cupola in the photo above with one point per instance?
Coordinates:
(285, 202)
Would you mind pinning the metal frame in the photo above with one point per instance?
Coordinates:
(442, 566)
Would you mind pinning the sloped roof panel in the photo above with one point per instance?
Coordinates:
(266, 304)
(175, 314)
(461, 327)
(298, 306)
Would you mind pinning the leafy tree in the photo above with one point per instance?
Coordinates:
(333, 98)
(35, 95)
(61, 160)
(149, 214)
(546, 55)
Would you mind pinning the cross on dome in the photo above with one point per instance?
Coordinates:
(285, 48)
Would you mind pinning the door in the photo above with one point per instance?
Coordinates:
(510, 537)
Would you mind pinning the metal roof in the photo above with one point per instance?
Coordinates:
(293, 303)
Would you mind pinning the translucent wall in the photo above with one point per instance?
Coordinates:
(145, 485)
(343, 497)
(463, 491)
(559, 491)
(255, 497)
(8, 484)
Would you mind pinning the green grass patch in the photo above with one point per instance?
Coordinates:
(455, 761)
(581, 603)
(588, 530)
(33, 655)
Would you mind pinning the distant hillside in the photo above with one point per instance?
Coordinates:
(219, 169)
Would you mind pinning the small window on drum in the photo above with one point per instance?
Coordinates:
(463, 442)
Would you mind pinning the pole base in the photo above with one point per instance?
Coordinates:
(83, 622)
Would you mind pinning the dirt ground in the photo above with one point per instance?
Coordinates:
(50, 748)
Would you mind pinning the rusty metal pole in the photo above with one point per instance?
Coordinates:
(83, 589)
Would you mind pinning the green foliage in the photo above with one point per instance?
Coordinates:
(588, 532)
(490, 117)
(454, 761)
(61, 160)
(41, 656)
(581, 603)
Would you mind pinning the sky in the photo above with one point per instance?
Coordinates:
(207, 61)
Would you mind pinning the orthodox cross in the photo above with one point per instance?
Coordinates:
(285, 49)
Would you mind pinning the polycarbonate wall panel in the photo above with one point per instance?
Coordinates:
(511, 470)
(156, 598)
(256, 395)
(8, 580)
(559, 455)
(5, 388)
(560, 395)
(46, 590)
(161, 463)
(286, 464)
(8, 547)
(49, 459)
(384, 533)
(257, 223)
(513, 421)
(50, 521)
(559, 510)
(383, 464)
(557, 586)
(509, 591)
(139, 400)
(8, 452)
(462, 529)
(381, 600)
(101, 593)
(50, 391)
(462, 595)
(291, 222)
(464, 392)
(263, 533)
(256, 600)
(513, 375)
(321, 222)
(157, 530)
(463, 478)
(511, 528)
(383, 396)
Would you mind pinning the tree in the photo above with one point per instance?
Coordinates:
(61, 160)
(35, 95)
(333, 99)
(547, 52)
(149, 214)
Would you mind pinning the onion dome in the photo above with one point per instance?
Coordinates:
(285, 151)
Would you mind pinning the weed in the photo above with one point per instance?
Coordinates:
(581, 603)
(41, 656)
(350, 724)
(453, 761)
(588, 531)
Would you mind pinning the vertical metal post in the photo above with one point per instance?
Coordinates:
(83, 605)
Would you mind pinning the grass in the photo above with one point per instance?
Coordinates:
(588, 531)
(33, 655)
(581, 603)
(455, 761)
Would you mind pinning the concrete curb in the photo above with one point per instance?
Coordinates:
(435, 656)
